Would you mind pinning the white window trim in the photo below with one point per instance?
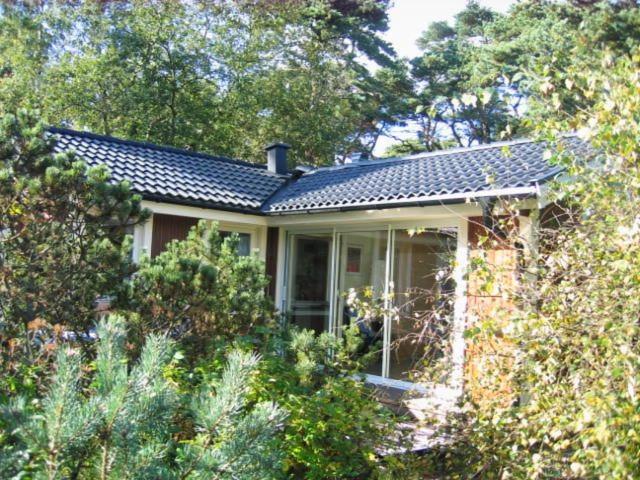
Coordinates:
(455, 384)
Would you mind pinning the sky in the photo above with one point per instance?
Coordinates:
(409, 18)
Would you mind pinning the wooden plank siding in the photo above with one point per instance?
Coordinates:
(271, 263)
(489, 352)
(167, 228)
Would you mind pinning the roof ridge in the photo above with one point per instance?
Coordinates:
(154, 146)
(482, 146)
(472, 148)
(436, 153)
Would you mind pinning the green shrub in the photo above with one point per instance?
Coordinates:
(335, 427)
(117, 422)
(197, 289)
(573, 409)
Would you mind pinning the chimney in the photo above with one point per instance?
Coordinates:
(277, 158)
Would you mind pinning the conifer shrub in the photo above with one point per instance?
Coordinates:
(197, 290)
(113, 420)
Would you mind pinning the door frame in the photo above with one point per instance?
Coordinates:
(460, 223)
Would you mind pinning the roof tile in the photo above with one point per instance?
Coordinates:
(419, 177)
(173, 174)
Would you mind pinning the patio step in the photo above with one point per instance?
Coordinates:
(423, 414)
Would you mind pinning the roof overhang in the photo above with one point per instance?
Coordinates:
(199, 203)
(442, 199)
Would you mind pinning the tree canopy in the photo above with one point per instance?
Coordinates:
(475, 77)
(226, 77)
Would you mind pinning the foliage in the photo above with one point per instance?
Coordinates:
(454, 102)
(63, 239)
(476, 80)
(404, 147)
(122, 423)
(227, 77)
(573, 409)
(200, 287)
(336, 428)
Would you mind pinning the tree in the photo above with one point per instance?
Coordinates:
(63, 240)
(24, 43)
(453, 100)
(226, 77)
(120, 425)
(475, 78)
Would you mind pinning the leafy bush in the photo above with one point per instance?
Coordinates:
(573, 409)
(336, 428)
(121, 423)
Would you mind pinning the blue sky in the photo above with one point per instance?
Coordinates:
(409, 18)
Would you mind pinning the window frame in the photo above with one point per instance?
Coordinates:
(460, 223)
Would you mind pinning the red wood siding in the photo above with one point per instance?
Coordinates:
(489, 352)
(167, 228)
(271, 267)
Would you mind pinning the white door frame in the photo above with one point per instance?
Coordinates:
(455, 382)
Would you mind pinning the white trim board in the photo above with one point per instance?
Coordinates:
(455, 380)
(205, 213)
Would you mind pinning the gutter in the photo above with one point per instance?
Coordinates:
(446, 198)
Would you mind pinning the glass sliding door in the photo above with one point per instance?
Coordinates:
(362, 270)
(309, 277)
(415, 267)
(424, 294)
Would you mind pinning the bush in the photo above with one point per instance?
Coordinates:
(572, 408)
(197, 289)
(119, 423)
(335, 428)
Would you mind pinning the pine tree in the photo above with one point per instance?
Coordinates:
(121, 425)
(63, 239)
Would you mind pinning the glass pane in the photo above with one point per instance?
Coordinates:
(309, 281)
(362, 269)
(423, 294)
(244, 242)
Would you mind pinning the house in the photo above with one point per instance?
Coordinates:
(400, 225)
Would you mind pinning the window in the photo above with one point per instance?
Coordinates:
(423, 297)
(362, 265)
(244, 242)
(309, 279)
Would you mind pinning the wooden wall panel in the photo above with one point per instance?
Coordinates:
(167, 228)
(271, 266)
(488, 354)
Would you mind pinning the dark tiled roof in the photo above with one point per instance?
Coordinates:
(453, 175)
(173, 175)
